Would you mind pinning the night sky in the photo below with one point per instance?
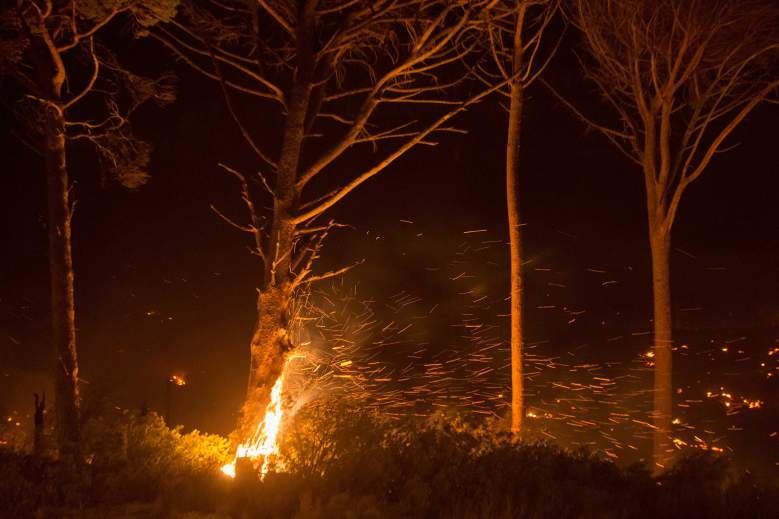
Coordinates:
(164, 286)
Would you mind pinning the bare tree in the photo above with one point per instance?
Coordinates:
(515, 32)
(338, 73)
(46, 47)
(680, 76)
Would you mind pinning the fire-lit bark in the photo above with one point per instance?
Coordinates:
(269, 347)
(663, 406)
(515, 32)
(515, 246)
(63, 328)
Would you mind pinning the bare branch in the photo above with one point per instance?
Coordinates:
(92, 79)
(714, 147)
(256, 226)
(91, 32)
(400, 151)
(334, 273)
(276, 16)
(610, 132)
(244, 228)
(246, 135)
(218, 54)
(312, 230)
(186, 59)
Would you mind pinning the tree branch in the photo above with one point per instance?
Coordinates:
(341, 193)
(91, 82)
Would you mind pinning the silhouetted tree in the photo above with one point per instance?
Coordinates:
(50, 52)
(332, 70)
(38, 443)
(515, 33)
(680, 76)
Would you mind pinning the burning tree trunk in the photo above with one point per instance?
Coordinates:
(271, 338)
(269, 349)
(331, 68)
(680, 76)
(516, 31)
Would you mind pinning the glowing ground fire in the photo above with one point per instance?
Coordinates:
(262, 448)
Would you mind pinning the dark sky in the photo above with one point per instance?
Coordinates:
(162, 285)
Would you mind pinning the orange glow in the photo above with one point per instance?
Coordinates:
(262, 448)
(178, 380)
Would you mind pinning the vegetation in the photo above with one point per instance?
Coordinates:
(38, 47)
(342, 461)
(346, 90)
(680, 77)
(129, 458)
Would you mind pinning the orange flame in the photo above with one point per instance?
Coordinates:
(263, 445)
(178, 380)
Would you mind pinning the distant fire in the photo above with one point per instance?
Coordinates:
(178, 380)
(262, 448)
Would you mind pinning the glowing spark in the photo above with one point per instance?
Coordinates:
(177, 380)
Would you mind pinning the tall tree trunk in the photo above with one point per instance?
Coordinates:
(516, 100)
(63, 329)
(515, 246)
(269, 349)
(271, 342)
(663, 406)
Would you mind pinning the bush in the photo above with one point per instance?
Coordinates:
(702, 485)
(140, 458)
(341, 460)
(352, 459)
(129, 458)
(25, 483)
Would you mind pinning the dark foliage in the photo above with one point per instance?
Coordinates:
(129, 459)
(343, 461)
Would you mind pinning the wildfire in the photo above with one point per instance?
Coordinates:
(262, 447)
(177, 380)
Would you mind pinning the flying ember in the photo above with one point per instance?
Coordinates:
(262, 448)
(178, 380)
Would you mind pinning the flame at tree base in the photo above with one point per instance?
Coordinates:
(262, 448)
